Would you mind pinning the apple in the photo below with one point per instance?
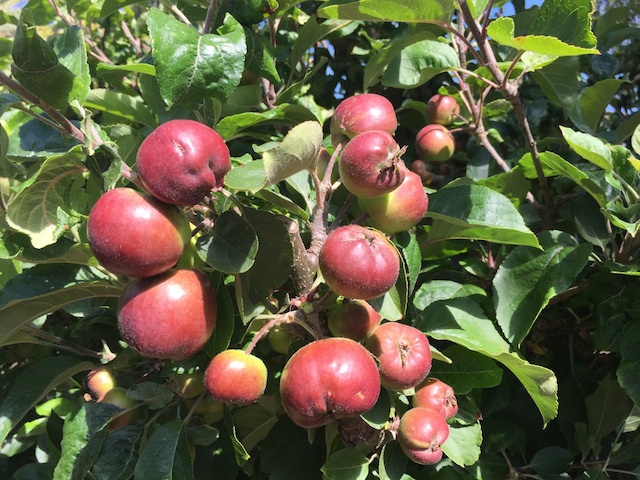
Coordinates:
(371, 164)
(354, 319)
(327, 380)
(419, 167)
(118, 396)
(188, 385)
(134, 234)
(169, 316)
(436, 395)
(234, 376)
(421, 433)
(358, 262)
(434, 143)
(182, 161)
(280, 339)
(442, 109)
(403, 354)
(100, 381)
(362, 113)
(210, 409)
(399, 210)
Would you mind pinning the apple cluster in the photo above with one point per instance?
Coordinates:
(434, 142)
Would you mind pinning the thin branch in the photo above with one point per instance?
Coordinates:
(134, 41)
(212, 15)
(480, 77)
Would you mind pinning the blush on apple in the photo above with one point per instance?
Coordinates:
(421, 433)
(134, 234)
(169, 316)
(362, 113)
(354, 319)
(442, 109)
(234, 376)
(436, 395)
(182, 161)
(434, 143)
(100, 381)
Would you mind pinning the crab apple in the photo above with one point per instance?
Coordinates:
(358, 262)
(442, 109)
(327, 380)
(399, 210)
(169, 316)
(135, 234)
(188, 385)
(237, 377)
(181, 161)
(280, 339)
(210, 409)
(354, 319)
(100, 381)
(421, 433)
(118, 396)
(362, 113)
(371, 164)
(403, 354)
(434, 143)
(436, 395)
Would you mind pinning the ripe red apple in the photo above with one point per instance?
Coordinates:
(188, 385)
(169, 316)
(403, 354)
(329, 379)
(135, 234)
(362, 113)
(442, 109)
(354, 319)
(118, 396)
(421, 433)
(100, 381)
(358, 262)
(181, 161)
(399, 210)
(434, 143)
(370, 164)
(234, 376)
(436, 395)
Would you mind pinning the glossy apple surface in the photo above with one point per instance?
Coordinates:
(442, 109)
(421, 433)
(354, 319)
(100, 381)
(182, 161)
(370, 164)
(327, 380)
(234, 376)
(399, 210)
(358, 262)
(434, 143)
(403, 354)
(362, 113)
(436, 395)
(169, 316)
(134, 234)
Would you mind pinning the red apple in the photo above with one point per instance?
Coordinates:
(100, 381)
(434, 143)
(399, 210)
(421, 433)
(403, 354)
(169, 316)
(358, 262)
(370, 164)
(134, 234)
(436, 395)
(354, 319)
(182, 161)
(442, 109)
(118, 396)
(362, 113)
(327, 380)
(234, 376)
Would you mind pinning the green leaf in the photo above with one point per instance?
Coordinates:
(33, 384)
(239, 450)
(165, 455)
(589, 147)
(410, 11)
(261, 57)
(231, 127)
(311, 33)
(121, 105)
(72, 53)
(142, 68)
(463, 445)
(467, 370)
(594, 101)
(119, 454)
(112, 6)
(378, 416)
(589, 221)
(635, 140)
(410, 250)
(393, 304)
(560, 82)
(570, 21)
(155, 395)
(393, 462)
(551, 461)
(231, 245)
(346, 464)
(249, 176)
(37, 140)
(607, 408)
(191, 67)
(528, 278)
(254, 423)
(476, 212)
(297, 151)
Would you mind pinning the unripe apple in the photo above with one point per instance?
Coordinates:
(100, 381)
(358, 262)
(327, 380)
(118, 396)
(399, 210)
(421, 433)
(188, 385)
(442, 109)
(403, 354)
(210, 409)
(280, 339)
(135, 234)
(234, 376)
(434, 143)
(354, 319)
(436, 395)
(370, 164)
(362, 113)
(182, 161)
(169, 316)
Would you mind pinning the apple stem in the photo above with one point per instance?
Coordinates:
(289, 317)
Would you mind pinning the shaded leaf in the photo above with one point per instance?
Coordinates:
(165, 456)
(463, 444)
(346, 464)
(121, 105)
(119, 454)
(467, 370)
(231, 126)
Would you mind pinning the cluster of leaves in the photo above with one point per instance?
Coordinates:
(523, 273)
